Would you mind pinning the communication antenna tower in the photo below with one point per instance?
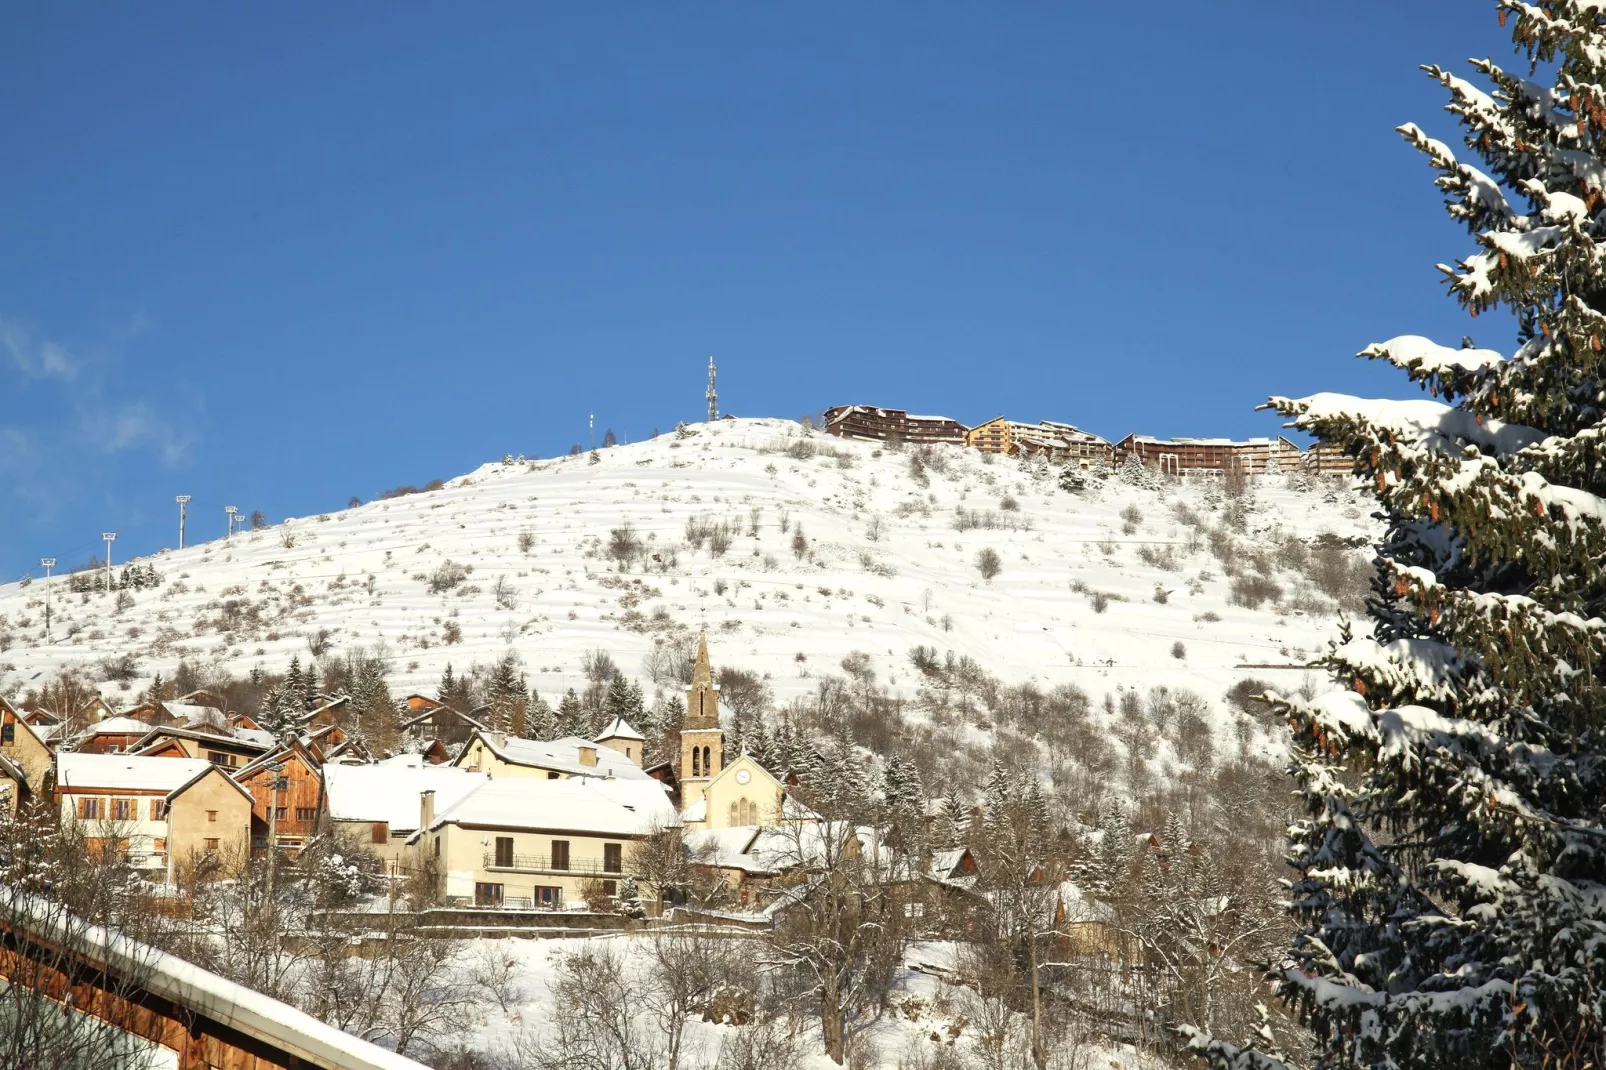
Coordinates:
(713, 395)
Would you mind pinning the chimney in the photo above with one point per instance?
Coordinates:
(588, 755)
(499, 739)
(426, 808)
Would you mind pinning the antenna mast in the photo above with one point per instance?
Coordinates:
(183, 501)
(713, 395)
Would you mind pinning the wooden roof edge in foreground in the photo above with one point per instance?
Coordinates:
(198, 992)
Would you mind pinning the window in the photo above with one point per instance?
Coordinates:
(627, 752)
(8, 734)
(708, 762)
(123, 809)
(159, 844)
(696, 761)
(487, 895)
(306, 813)
(552, 776)
(212, 843)
(211, 815)
(914, 910)
(610, 887)
(279, 812)
(158, 809)
(560, 854)
(733, 819)
(504, 851)
(613, 858)
(547, 897)
(380, 833)
(90, 809)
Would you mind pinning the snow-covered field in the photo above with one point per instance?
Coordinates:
(885, 568)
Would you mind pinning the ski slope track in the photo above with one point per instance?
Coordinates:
(885, 569)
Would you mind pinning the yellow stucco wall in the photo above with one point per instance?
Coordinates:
(761, 792)
(190, 826)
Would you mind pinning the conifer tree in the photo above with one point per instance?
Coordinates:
(1450, 861)
(572, 720)
(539, 720)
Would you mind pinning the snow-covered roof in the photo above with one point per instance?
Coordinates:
(562, 755)
(223, 737)
(726, 848)
(391, 793)
(192, 713)
(697, 811)
(619, 728)
(129, 772)
(113, 726)
(578, 804)
(241, 1009)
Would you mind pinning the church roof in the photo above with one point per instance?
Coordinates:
(619, 728)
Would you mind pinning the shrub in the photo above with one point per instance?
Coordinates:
(989, 563)
(800, 544)
(446, 576)
(1008, 504)
(505, 595)
(623, 544)
(719, 540)
(1161, 595)
(526, 541)
(1179, 651)
(451, 632)
(1252, 590)
(1101, 601)
(1243, 696)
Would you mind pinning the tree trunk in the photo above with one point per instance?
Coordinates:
(1039, 1054)
(831, 1030)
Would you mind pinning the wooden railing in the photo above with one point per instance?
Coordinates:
(544, 864)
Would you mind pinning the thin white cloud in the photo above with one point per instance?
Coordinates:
(37, 360)
(138, 426)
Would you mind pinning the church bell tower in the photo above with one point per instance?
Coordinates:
(702, 741)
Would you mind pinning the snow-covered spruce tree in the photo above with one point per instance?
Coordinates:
(1451, 865)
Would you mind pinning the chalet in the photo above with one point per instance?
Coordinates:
(219, 745)
(286, 788)
(440, 722)
(26, 746)
(95, 710)
(891, 425)
(379, 806)
(518, 841)
(110, 736)
(500, 755)
(165, 813)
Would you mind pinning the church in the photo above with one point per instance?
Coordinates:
(715, 793)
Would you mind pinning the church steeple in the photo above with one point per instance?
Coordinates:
(702, 700)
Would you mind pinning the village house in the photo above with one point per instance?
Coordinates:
(230, 748)
(378, 806)
(164, 813)
(500, 755)
(13, 785)
(537, 843)
(286, 788)
(26, 746)
(439, 723)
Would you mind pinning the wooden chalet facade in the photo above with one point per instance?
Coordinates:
(892, 425)
(292, 811)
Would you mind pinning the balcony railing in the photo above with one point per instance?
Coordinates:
(544, 864)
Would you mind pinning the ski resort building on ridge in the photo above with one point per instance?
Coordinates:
(1063, 443)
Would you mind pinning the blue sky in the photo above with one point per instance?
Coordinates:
(277, 256)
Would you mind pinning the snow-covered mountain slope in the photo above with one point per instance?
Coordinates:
(884, 568)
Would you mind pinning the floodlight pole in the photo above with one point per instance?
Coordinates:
(48, 563)
(183, 500)
(231, 510)
(110, 537)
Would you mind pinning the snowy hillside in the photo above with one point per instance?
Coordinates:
(883, 567)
